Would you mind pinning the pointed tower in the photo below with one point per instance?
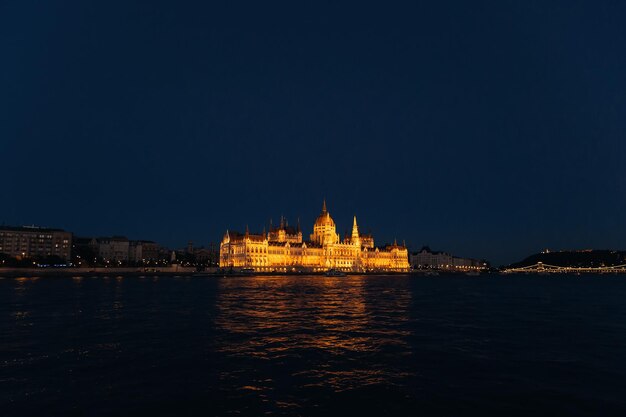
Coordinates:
(299, 231)
(355, 238)
(324, 211)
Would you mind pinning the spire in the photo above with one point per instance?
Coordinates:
(355, 238)
(355, 230)
(324, 206)
(247, 230)
(298, 229)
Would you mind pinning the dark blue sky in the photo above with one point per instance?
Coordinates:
(487, 129)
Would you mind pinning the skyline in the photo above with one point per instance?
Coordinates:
(489, 131)
(283, 222)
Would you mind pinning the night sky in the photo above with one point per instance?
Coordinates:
(486, 129)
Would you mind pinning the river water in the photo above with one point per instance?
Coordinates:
(298, 345)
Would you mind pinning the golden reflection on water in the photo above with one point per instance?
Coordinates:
(297, 317)
(24, 284)
(118, 294)
(22, 287)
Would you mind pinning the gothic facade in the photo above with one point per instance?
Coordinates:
(282, 249)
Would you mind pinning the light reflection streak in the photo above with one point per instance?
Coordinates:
(317, 320)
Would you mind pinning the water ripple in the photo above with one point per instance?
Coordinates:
(361, 345)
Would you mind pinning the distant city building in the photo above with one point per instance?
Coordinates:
(282, 249)
(206, 256)
(428, 259)
(115, 248)
(200, 256)
(33, 241)
(142, 251)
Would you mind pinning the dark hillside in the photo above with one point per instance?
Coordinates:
(583, 258)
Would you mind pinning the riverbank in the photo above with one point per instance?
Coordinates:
(48, 272)
(165, 271)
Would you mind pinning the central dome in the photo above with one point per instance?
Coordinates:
(324, 230)
(324, 218)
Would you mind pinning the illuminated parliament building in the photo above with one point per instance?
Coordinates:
(282, 249)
